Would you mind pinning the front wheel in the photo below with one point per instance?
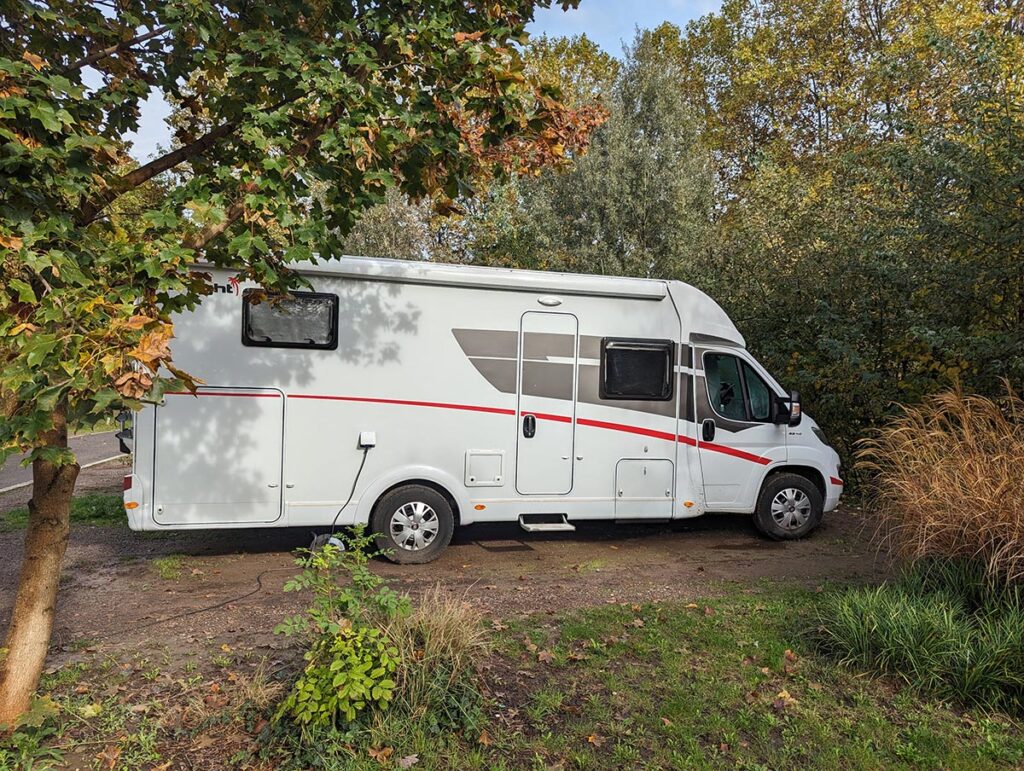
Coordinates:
(790, 506)
(413, 524)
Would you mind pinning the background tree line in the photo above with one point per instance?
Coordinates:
(845, 176)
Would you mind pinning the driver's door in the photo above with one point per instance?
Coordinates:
(736, 438)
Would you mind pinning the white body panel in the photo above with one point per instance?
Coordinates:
(443, 364)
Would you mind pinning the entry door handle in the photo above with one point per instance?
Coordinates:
(273, 484)
(529, 426)
(707, 430)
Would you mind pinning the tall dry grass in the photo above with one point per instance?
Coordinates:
(441, 643)
(949, 481)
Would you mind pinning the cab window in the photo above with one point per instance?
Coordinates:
(735, 389)
(725, 388)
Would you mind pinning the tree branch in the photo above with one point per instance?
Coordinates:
(89, 210)
(103, 53)
(238, 209)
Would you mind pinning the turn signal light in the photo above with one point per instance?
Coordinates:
(132, 505)
(479, 507)
(688, 504)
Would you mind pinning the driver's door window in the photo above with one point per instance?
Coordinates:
(725, 388)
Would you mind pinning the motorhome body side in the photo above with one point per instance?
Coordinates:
(513, 395)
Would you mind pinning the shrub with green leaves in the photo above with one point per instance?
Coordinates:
(346, 673)
(365, 598)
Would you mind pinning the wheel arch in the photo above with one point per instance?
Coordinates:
(444, 484)
(810, 473)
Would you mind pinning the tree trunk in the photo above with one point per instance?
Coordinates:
(28, 636)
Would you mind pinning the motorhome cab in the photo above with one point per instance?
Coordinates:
(418, 397)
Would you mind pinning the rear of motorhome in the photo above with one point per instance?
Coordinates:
(418, 397)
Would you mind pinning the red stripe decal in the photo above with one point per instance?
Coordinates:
(555, 418)
(223, 393)
(735, 453)
(670, 437)
(406, 403)
(627, 429)
(836, 481)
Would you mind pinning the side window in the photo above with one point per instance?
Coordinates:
(302, 320)
(759, 395)
(636, 369)
(725, 388)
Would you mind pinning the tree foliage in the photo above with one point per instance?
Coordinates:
(293, 117)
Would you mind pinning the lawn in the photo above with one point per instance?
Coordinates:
(87, 509)
(729, 682)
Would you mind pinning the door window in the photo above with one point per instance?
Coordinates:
(725, 388)
(735, 389)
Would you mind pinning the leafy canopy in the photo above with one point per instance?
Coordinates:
(292, 118)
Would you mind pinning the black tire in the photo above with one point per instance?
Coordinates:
(386, 527)
(776, 485)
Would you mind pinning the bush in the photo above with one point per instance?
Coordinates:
(370, 651)
(941, 627)
(949, 481)
(346, 672)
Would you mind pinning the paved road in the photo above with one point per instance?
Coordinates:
(90, 448)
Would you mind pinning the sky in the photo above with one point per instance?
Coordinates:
(609, 23)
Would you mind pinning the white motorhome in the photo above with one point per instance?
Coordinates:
(419, 397)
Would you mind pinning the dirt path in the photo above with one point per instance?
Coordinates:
(114, 597)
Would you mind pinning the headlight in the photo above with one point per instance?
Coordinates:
(821, 435)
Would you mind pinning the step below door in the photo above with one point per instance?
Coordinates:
(218, 457)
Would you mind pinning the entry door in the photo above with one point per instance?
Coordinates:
(218, 457)
(546, 415)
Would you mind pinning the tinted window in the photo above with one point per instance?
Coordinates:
(636, 369)
(758, 394)
(725, 388)
(303, 320)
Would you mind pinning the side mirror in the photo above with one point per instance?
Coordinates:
(787, 412)
(795, 411)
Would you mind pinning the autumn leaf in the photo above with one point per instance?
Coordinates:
(484, 739)
(545, 657)
(381, 755)
(10, 242)
(408, 761)
(462, 37)
(596, 740)
(36, 61)
(637, 622)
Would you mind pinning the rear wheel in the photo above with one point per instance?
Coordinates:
(413, 524)
(790, 506)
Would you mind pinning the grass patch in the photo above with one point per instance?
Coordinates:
(169, 567)
(731, 683)
(90, 509)
(942, 627)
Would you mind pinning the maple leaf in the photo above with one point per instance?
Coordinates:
(485, 738)
(36, 61)
(408, 761)
(596, 740)
(545, 657)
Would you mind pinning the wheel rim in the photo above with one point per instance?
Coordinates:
(791, 508)
(414, 525)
